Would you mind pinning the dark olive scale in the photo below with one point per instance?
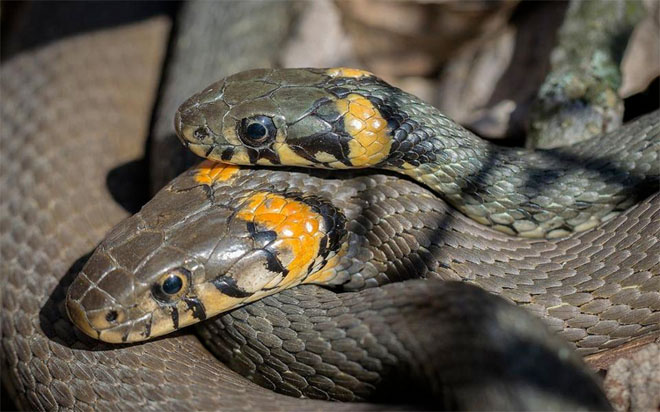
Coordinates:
(175, 317)
(261, 237)
(228, 153)
(273, 263)
(266, 152)
(334, 141)
(147, 327)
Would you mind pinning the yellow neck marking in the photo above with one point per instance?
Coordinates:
(371, 142)
(348, 72)
(299, 230)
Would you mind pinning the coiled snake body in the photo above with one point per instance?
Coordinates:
(221, 236)
(50, 364)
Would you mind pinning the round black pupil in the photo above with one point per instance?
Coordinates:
(172, 284)
(256, 131)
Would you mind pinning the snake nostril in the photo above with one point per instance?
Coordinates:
(111, 316)
(200, 133)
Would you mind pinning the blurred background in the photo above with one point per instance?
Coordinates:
(516, 72)
(481, 62)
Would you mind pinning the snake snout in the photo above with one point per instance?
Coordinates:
(91, 308)
(195, 121)
(192, 128)
(99, 299)
(189, 123)
(178, 128)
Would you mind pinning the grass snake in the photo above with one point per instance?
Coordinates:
(220, 234)
(47, 226)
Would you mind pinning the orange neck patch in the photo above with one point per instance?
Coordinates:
(371, 142)
(348, 72)
(209, 172)
(299, 231)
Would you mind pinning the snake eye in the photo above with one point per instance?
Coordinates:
(171, 285)
(257, 131)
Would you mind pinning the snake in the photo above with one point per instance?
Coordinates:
(348, 118)
(48, 362)
(238, 235)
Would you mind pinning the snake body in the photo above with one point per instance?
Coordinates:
(311, 342)
(46, 229)
(224, 231)
(230, 236)
(346, 118)
(47, 226)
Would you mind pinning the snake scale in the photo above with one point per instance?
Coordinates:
(49, 362)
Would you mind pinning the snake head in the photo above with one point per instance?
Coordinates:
(326, 118)
(190, 254)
